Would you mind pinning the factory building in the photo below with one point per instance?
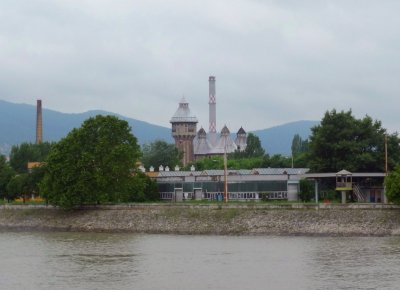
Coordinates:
(202, 144)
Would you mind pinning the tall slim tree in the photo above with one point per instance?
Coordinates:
(253, 148)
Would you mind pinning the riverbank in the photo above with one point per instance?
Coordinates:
(256, 219)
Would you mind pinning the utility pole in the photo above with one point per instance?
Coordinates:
(386, 170)
(225, 174)
(386, 155)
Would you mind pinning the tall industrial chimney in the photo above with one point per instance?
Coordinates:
(212, 111)
(39, 128)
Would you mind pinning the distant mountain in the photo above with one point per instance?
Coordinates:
(18, 125)
(278, 140)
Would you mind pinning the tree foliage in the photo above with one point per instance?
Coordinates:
(299, 145)
(143, 189)
(17, 187)
(343, 142)
(28, 152)
(92, 164)
(160, 153)
(392, 183)
(306, 190)
(253, 147)
(6, 174)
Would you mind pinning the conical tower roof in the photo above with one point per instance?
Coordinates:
(182, 114)
(225, 142)
(201, 144)
(241, 131)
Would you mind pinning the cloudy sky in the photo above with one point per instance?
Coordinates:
(274, 61)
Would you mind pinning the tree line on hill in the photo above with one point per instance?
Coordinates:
(98, 162)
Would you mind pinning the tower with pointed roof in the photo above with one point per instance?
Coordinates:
(241, 139)
(184, 131)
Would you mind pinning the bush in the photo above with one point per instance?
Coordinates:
(306, 190)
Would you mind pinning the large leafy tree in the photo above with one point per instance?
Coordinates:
(93, 164)
(160, 153)
(343, 142)
(28, 152)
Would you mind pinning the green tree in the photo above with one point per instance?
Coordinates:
(93, 164)
(392, 183)
(253, 147)
(160, 153)
(143, 189)
(343, 142)
(299, 145)
(215, 162)
(17, 187)
(306, 190)
(28, 152)
(277, 161)
(299, 151)
(6, 174)
(34, 179)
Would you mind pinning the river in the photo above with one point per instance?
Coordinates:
(132, 261)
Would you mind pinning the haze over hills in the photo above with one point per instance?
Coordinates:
(18, 123)
(278, 139)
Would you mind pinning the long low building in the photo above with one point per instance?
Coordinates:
(255, 184)
(266, 183)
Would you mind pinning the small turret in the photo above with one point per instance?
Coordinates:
(241, 139)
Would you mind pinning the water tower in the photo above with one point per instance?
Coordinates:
(184, 129)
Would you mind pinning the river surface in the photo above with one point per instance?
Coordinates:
(133, 261)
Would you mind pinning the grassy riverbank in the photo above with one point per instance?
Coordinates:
(242, 219)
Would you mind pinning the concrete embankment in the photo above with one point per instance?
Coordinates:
(257, 219)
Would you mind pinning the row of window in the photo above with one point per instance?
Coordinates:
(233, 187)
(236, 196)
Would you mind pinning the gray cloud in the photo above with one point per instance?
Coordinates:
(275, 61)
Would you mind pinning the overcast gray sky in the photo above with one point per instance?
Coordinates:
(274, 61)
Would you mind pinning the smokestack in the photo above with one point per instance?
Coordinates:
(39, 128)
(212, 110)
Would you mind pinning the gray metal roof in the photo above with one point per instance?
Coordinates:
(201, 145)
(277, 171)
(178, 173)
(182, 114)
(220, 172)
(224, 142)
(334, 174)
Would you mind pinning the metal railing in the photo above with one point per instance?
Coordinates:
(359, 194)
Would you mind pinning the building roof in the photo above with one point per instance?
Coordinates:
(220, 172)
(343, 172)
(224, 143)
(201, 145)
(182, 114)
(334, 174)
(278, 171)
(241, 131)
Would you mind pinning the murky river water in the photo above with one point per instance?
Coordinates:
(130, 261)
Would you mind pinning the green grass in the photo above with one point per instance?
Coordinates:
(2, 202)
